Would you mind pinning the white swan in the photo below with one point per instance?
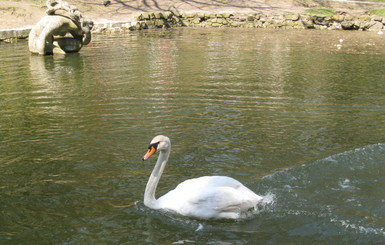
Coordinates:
(205, 197)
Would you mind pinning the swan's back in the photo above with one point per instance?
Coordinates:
(210, 197)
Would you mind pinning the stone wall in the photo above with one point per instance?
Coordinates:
(258, 20)
(10, 35)
(173, 18)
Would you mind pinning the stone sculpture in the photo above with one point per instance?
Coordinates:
(63, 30)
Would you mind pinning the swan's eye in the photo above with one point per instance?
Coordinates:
(155, 145)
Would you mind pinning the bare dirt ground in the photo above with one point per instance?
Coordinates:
(25, 13)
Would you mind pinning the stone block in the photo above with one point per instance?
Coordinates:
(158, 15)
(196, 20)
(349, 25)
(364, 18)
(377, 18)
(348, 18)
(216, 24)
(201, 15)
(250, 18)
(293, 17)
(235, 24)
(175, 11)
(6, 34)
(144, 16)
(377, 26)
(227, 15)
(190, 15)
(338, 17)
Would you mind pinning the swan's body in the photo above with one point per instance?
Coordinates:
(205, 197)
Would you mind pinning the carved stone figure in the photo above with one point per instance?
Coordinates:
(63, 32)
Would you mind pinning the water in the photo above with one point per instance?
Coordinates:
(297, 116)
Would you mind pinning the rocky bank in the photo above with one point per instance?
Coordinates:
(278, 14)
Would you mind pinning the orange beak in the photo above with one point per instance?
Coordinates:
(151, 150)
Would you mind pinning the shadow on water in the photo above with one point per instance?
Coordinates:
(340, 197)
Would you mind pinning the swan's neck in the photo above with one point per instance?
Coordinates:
(149, 194)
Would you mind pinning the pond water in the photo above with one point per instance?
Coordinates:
(297, 116)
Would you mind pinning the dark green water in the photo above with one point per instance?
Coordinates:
(297, 116)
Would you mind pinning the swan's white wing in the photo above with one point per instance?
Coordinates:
(210, 197)
(209, 181)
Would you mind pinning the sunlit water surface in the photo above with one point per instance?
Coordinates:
(297, 116)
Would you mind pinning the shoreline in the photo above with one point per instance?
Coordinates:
(173, 19)
(124, 16)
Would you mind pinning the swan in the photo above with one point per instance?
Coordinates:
(217, 197)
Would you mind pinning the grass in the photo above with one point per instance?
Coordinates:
(320, 11)
(378, 12)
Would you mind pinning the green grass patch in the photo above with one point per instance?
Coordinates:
(320, 11)
(378, 12)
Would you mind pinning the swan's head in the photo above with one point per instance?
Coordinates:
(158, 143)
